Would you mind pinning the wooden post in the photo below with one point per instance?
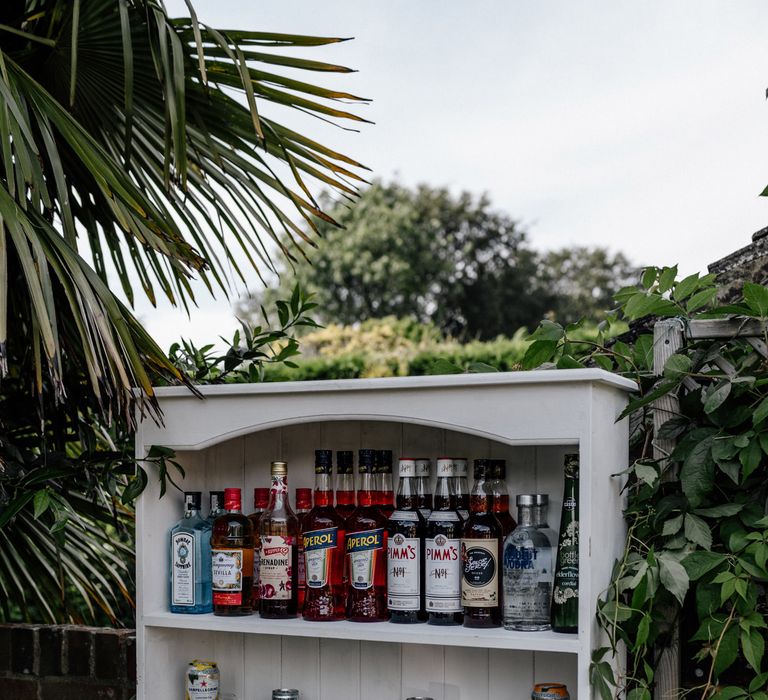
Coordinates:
(667, 340)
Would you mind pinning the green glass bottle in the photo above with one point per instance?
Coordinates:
(565, 591)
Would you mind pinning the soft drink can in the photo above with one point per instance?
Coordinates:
(550, 691)
(202, 681)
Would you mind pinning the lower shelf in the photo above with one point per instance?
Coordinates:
(371, 632)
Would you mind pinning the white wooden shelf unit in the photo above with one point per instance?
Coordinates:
(229, 438)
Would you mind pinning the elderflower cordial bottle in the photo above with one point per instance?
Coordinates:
(565, 591)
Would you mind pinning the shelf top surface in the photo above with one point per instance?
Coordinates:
(372, 632)
(550, 377)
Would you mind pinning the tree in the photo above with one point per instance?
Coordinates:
(426, 254)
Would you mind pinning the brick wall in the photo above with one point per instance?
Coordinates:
(67, 662)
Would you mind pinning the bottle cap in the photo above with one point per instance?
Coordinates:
(323, 461)
(423, 466)
(216, 500)
(303, 499)
(407, 467)
(532, 499)
(446, 467)
(279, 468)
(384, 461)
(344, 461)
(481, 468)
(498, 468)
(571, 462)
(260, 497)
(460, 464)
(232, 500)
(285, 694)
(366, 461)
(192, 500)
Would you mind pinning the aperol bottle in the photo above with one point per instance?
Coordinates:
(385, 492)
(345, 483)
(303, 506)
(323, 537)
(366, 550)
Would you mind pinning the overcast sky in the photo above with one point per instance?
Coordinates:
(640, 126)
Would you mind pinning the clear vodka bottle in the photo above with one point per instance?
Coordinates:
(529, 567)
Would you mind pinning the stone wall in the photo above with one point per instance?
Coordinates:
(67, 662)
(748, 264)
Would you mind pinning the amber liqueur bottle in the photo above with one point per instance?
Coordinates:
(385, 492)
(405, 533)
(303, 506)
(500, 493)
(442, 547)
(366, 550)
(232, 559)
(260, 503)
(279, 532)
(345, 483)
(481, 556)
(461, 488)
(323, 538)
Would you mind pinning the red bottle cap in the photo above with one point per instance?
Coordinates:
(260, 498)
(232, 500)
(303, 499)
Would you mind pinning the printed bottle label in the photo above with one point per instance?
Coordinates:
(480, 573)
(403, 573)
(183, 569)
(227, 575)
(363, 548)
(256, 565)
(520, 558)
(443, 574)
(275, 567)
(318, 546)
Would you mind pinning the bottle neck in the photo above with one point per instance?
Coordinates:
(532, 516)
(366, 490)
(445, 497)
(407, 493)
(323, 490)
(278, 493)
(191, 513)
(384, 481)
(480, 500)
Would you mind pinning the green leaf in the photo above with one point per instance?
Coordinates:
(717, 397)
(723, 510)
(41, 502)
(697, 531)
(642, 631)
(646, 473)
(444, 366)
(753, 646)
(672, 526)
(686, 287)
(667, 278)
(759, 681)
(756, 298)
(649, 277)
(750, 457)
(700, 562)
(727, 651)
(697, 473)
(538, 352)
(701, 299)
(569, 362)
(761, 412)
(677, 366)
(548, 330)
(673, 576)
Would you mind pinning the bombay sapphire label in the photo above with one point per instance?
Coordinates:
(480, 569)
(403, 573)
(443, 574)
(183, 569)
(318, 546)
(362, 549)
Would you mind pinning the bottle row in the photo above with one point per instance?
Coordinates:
(422, 558)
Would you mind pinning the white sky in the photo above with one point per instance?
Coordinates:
(636, 126)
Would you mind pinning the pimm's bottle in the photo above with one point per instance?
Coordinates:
(385, 492)
(442, 547)
(565, 590)
(323, 537)
(190, 550)
(345, 483)
(366, 550)
(279, 532)
(405, 533)
(232, 559)
(215, 505)
(500, 493)
(303, 506)
(423, 490)
(260, 503)
(461, 488)
(481, 556)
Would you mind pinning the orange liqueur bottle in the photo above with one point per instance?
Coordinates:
(232, 559)
(303, 506)
(323, 537)
(260, 503)
(345, 483)
(279, 532)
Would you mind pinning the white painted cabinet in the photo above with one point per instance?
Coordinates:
(229, 438)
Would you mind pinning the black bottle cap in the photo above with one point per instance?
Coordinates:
(323, 461)
(344, 461)
(216, 500)
(192, 500)
(498, 468)
(366, 461)
(482, 468)
(384, 461)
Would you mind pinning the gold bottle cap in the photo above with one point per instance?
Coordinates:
(279, 468)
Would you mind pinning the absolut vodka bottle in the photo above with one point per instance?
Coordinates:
(528, 567)
(190, 559)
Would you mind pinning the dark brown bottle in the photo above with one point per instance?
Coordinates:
(461, 488)
(385, 492)
(423, 490)
(500, 493)
(279, 532)
(260, 503)
(232, 559)
(481, 556)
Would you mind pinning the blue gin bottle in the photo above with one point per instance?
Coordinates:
(190, 560)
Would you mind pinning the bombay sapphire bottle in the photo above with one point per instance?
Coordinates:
(528, 567)
(190, 558)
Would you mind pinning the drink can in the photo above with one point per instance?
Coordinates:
(285, 694)
(550, 691)
(202, 681)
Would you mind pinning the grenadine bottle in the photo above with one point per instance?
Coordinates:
(323, 538)
(345, 483)
(385, 492)
(303, 506)
(279, 531)
(260, 503)
(366, 551)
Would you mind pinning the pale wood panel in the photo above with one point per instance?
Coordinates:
(521, 470)
(260, 449)
(380, 664)
(550, 667)
(423, 441)
(342, 435)
(550, 478)
(423, 671)
(469, 446)
(339, 669)
(224, 466)
(466, 673)
(382, 435)
(263, 665)
(299, 443)
(510, 674)
(301, 666)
